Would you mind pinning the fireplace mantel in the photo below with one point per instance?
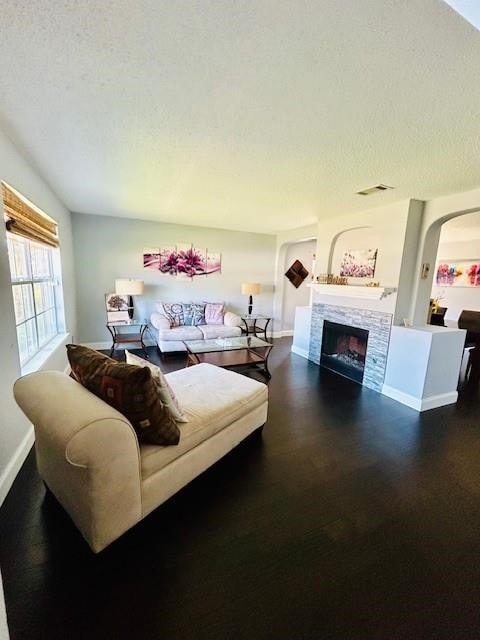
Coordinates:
(352, 291)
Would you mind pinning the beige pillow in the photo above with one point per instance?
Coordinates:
(167, 395)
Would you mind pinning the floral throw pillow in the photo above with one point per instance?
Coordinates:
(174, 312)
(193, 314)
(214, 312)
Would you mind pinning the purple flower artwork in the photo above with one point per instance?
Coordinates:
(214, 262)
(182, 260)
(151, 259)
(359, 263)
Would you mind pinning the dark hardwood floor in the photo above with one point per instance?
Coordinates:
(353, 517)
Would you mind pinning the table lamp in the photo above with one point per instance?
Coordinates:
(129, 287)
(250, 289)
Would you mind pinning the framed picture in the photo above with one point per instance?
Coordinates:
(116, 307)
(458, 273)
(359, 263)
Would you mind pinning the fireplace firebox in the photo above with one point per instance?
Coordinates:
(344, 350)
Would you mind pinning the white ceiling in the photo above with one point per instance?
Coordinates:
(260, 115)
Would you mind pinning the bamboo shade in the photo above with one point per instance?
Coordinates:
(25, 220)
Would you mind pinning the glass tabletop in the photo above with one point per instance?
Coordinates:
(134, 322)
(225, 344)
(255, 317)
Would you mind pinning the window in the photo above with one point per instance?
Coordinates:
(34, 294)
(33, 253)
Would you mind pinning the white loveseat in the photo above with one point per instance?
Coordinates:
(171, 338)
(89, 456)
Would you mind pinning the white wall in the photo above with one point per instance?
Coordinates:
(382, 228)
(284, 240)
(459, 240)
(296, 297)
(107, 248)
(14, 434)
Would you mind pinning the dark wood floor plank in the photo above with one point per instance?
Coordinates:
(352, 517)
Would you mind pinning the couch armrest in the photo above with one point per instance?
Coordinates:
(87, 453)
(231, 319)
(160, 322)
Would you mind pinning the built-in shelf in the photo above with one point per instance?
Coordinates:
(352, 291)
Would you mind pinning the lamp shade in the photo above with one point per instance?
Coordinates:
(251, 288)
(128, 287)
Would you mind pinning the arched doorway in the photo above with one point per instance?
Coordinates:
(428, 256)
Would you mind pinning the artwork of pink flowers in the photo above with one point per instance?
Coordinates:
(458, 273)
(359, 263)
(182, 260)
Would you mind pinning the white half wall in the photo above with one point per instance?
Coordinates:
(416, 374)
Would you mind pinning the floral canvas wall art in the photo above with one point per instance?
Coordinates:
(359, 263)
(151, 259)
(458, 273)
(214, 262)
(182, 260)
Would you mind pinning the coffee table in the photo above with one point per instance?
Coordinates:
(245, 351)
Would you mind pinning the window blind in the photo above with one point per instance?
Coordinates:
(24, 219)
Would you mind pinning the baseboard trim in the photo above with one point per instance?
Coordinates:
(108, 344)
(432, 402)
(282, 334)
(299, 352)
(13, 467)
(420, 404)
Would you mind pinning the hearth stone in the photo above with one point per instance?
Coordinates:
(377, 323)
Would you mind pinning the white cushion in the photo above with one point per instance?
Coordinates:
(180, 333)
(212, 398)
(219, 331)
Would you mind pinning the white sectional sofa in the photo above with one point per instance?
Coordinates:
(170, 338)
(90, 458)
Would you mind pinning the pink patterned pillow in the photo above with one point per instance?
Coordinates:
(214, 312)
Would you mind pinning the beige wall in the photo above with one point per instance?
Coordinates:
(108, 248)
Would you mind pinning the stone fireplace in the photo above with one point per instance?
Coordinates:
(352, 342)
(344, 349)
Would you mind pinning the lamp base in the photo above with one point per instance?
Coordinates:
(131, 310)
(250, 305)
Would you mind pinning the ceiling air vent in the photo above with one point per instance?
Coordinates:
(370, 190)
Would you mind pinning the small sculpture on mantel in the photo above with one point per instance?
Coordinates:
(374, 283)
(329, 278)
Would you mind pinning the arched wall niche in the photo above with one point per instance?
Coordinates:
(337, 239)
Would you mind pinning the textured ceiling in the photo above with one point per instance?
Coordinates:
(261, 115)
